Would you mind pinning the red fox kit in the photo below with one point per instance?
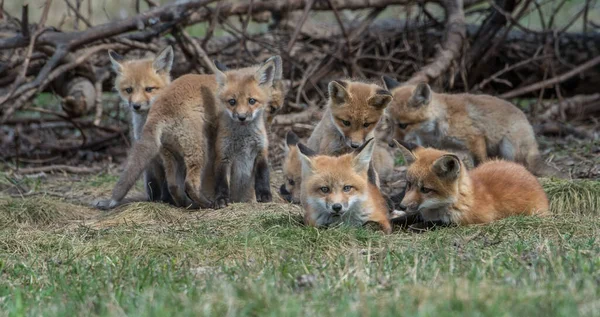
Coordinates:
(442, 190)
(484, 125)
(181, 126)
(138, 82)
(337, 189)
(277, 94)
(241, 164)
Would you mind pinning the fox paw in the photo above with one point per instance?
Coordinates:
(264, 197)
(105, 204)
(221, 202)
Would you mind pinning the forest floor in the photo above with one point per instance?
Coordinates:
(60, 257)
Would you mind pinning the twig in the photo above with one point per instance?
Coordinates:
(299, 26)
(59, 168)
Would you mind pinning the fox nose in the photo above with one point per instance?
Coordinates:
(391, 143)
(336, 207)
(355, 145)
(136, 106)
(242, 117)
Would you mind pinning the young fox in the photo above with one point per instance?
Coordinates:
(337, 189)
(483, 125)
(182, 127)
(138, 82)
(442, 190)
(242, 143)
(382, 161)
(277, 94)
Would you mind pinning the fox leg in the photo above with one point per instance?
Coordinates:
(153, 180)
(222, 171)
(262, 184)
(478, 149)
(175, 180)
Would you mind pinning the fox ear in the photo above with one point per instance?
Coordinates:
(220, 77)
(278, 75)
(337, 92)
(389, 82)
(421, 95)
(220, 66)
(115, 60)
(266, 73)
(306, 150)
(163, 62)
(291, 138)
(380, 100)
(308, 166)
(407, 151)
(447, 167)
(361, 161)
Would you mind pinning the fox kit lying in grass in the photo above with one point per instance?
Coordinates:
(138, 82)
(277, 94)
(442, 190)
(353, 111)
(337, 189)
(182, 128)
(242, 167)
(484, 125)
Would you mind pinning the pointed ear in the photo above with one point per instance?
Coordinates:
(447, 167)
(220, 77)
(291, 138)
(337, 92)
(361, 161)
(308, 167)
(220, 66)
(306, 150)
(421, 96)
(163, 62)
(266, 73)
(115, 60)
(389, 82)
(380, 100)
(407, 151)
(278, 67)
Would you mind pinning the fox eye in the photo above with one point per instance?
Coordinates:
(291, 182)
(347, 188)
(272, 109)
(150, 89)
(232, 102)
(346, 123)
(426, 190)
(128, 90)
(367, 124)
(324, 189)
(402, 125)
(251, 101)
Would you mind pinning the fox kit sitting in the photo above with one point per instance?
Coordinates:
(337, 189)
(484, 125)
(138, 82)
(242, 166)
(442, 190)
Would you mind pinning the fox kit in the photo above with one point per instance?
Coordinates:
(278, 91)
(138, 82)
(241, 162)
(483, 125)
(180, 127)
(337, 189)
(442, 190)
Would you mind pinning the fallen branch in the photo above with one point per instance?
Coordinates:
(59, 168)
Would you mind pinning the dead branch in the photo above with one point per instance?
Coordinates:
(59, 168)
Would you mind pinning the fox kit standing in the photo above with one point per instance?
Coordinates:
(242, 166)
(484, 125)
(442, 190)
(337, 189)
(138, 82)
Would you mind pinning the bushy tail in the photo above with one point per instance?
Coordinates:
(142, 153)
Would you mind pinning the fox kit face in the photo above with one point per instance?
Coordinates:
(335, 187)
(244, 95)
(292, 169)
(356, 109)
(139, 81)
(410, 112)
(433, 178)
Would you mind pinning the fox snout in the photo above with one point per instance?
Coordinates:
(409, 206)
(285, 193)
(355, 144)
(337, 209)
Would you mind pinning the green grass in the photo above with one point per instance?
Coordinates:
(62, 259)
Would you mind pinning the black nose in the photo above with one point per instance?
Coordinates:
(355, 145)
(336, 207)
(402, 207)
(391, 144)
(136, 106)
(285, 194)
(242, 117)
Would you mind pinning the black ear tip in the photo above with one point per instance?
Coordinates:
(291, 138)
(306, 150)
(410, 146)
(115, 55)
